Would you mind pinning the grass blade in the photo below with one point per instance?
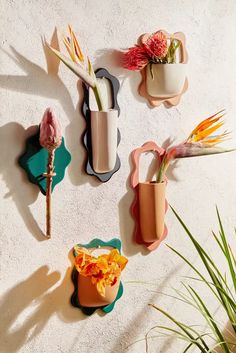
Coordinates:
(181, 326)
(210, 319)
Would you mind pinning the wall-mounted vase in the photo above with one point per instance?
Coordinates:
(165, 80)
(149, 205)
(102, 136)
(152, 205)
(89, 295)
(104, 140)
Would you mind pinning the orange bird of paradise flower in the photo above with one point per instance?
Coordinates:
(76, 63)
(199, 143)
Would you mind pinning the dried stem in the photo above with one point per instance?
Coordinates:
(49, 175)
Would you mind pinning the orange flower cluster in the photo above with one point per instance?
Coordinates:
(103, 270)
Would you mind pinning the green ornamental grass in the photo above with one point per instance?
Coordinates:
(222, 285)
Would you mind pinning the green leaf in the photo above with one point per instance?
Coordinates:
(195, 269)
(226, 250)
(181, 326)
(212, 270)
(188, 347)
(211, 321)
(219, 285)
(219, 243)
(171, 53)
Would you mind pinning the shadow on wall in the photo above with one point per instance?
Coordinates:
(48, 84)
(132, 330)
(34, 290)
(12, 142)
(126, 221)
(111, 59)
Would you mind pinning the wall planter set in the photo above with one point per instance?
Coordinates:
(161, 59)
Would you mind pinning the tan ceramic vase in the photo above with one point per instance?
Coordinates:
(167, 81)
(104, 140)
(90, 297)
(151, 210)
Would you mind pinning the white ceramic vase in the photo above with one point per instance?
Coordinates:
(167, 81)
(104, 140)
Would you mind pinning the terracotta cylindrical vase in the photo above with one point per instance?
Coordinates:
(151, 210)
(167, 79)
(104, 140)
(90, 297)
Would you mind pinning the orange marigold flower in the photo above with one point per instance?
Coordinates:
(103, 270)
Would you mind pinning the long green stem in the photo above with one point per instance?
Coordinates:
(210, 319)
(162, 170)
(181, 326)
(226, 250)
(98, 97)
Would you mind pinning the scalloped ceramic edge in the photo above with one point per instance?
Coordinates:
(155, 101)
(34, 162)
(115, 85)
(95, 243)
(134, 181)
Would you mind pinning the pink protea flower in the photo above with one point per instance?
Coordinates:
(156, 45)
(136, 58)
(50, 131)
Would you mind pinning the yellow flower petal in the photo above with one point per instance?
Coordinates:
(205, 133)
(69, 49)
(101, 288)
(76, 47)
(206, 128)
(204, 124)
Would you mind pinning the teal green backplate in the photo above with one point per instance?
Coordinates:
(34, 162)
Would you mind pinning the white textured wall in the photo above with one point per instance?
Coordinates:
(35, 315)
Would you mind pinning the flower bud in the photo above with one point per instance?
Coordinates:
(50, 131)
